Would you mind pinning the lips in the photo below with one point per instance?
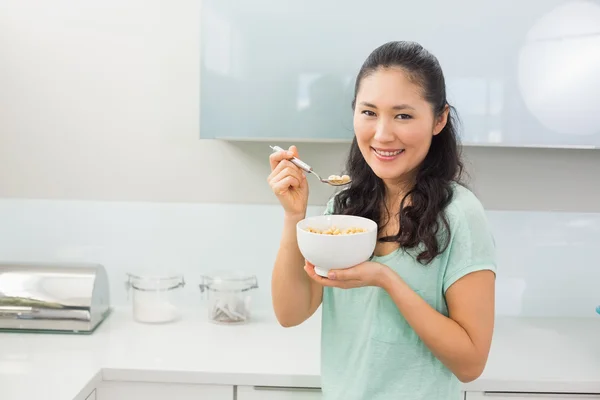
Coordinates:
(387, 154)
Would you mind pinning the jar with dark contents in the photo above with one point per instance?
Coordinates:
(229, 296)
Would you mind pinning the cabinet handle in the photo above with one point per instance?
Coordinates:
(288, 388)
(543, 395)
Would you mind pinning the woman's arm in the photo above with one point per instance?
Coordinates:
(295, 296)
(461, 341)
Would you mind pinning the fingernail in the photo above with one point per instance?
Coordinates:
(289, 153)
(331, 275)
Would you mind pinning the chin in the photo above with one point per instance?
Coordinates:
(392, 172)
(387, 175)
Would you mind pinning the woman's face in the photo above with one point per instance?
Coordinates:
(394, 125)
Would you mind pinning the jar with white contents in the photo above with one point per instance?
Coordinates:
(155, 297)
(229, 298)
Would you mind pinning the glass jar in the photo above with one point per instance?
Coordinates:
(229, 296)
(154, 297)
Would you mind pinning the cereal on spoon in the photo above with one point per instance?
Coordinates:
(339, 180)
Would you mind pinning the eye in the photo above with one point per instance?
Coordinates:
(403, 116)
(368, 113)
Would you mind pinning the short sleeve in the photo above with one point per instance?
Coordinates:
(472, 246)
(329, 207)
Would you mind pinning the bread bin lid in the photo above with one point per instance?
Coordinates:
(53, 296)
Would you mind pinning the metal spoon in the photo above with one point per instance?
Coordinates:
(305, 167)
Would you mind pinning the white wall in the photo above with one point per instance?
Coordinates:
(99, 115)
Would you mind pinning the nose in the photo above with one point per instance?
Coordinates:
(384, 131)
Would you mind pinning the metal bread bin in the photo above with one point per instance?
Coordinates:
(53, 297)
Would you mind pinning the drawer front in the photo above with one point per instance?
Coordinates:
(162, 391)
(529, 396)
(277, 393)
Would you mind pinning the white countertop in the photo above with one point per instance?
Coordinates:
(527, 355)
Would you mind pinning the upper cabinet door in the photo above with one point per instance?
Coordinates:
(520, 73)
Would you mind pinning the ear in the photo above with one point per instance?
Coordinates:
(441, 121)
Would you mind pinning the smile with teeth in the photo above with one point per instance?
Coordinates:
(388, 153)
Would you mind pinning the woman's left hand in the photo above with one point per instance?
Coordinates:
(365, 274)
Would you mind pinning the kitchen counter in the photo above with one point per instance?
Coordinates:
(527, 354)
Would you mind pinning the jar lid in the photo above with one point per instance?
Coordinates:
(151, 282)
(229, 281)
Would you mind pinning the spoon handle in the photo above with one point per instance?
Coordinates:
(296, 161)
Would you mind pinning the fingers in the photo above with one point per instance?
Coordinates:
(287, 167)
(277, 157)
(310, 271)
(282, 186)
(285, 175)
(343, 275)
(333, 274)
(343, 279)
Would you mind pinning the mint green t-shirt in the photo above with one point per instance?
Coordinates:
(368, 350)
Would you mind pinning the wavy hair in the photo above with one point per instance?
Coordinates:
(421, 215)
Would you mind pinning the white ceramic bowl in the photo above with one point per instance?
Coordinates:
(327, 252)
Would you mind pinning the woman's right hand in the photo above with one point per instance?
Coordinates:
(288, 182)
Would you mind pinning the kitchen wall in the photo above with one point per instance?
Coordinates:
(100, 159)
(546, 259)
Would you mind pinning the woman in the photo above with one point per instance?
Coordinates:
(415, 320)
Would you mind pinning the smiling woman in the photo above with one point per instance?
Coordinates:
(405, 147)
(416, 319)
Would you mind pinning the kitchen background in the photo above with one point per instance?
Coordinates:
(101, 160)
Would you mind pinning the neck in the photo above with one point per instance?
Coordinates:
(397, 188)
(394, 193)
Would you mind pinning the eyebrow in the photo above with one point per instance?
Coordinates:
(398, 107)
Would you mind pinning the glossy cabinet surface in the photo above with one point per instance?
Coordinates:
(520, 73)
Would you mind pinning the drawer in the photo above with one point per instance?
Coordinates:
(529, 396)
(277, 393)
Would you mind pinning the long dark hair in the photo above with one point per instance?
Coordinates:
(422, 218)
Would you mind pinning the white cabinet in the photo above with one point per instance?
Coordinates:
(92, 396)
(277, 393)
(529, 396)
(109, 390)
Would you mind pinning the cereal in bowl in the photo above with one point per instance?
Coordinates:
(336, 231)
